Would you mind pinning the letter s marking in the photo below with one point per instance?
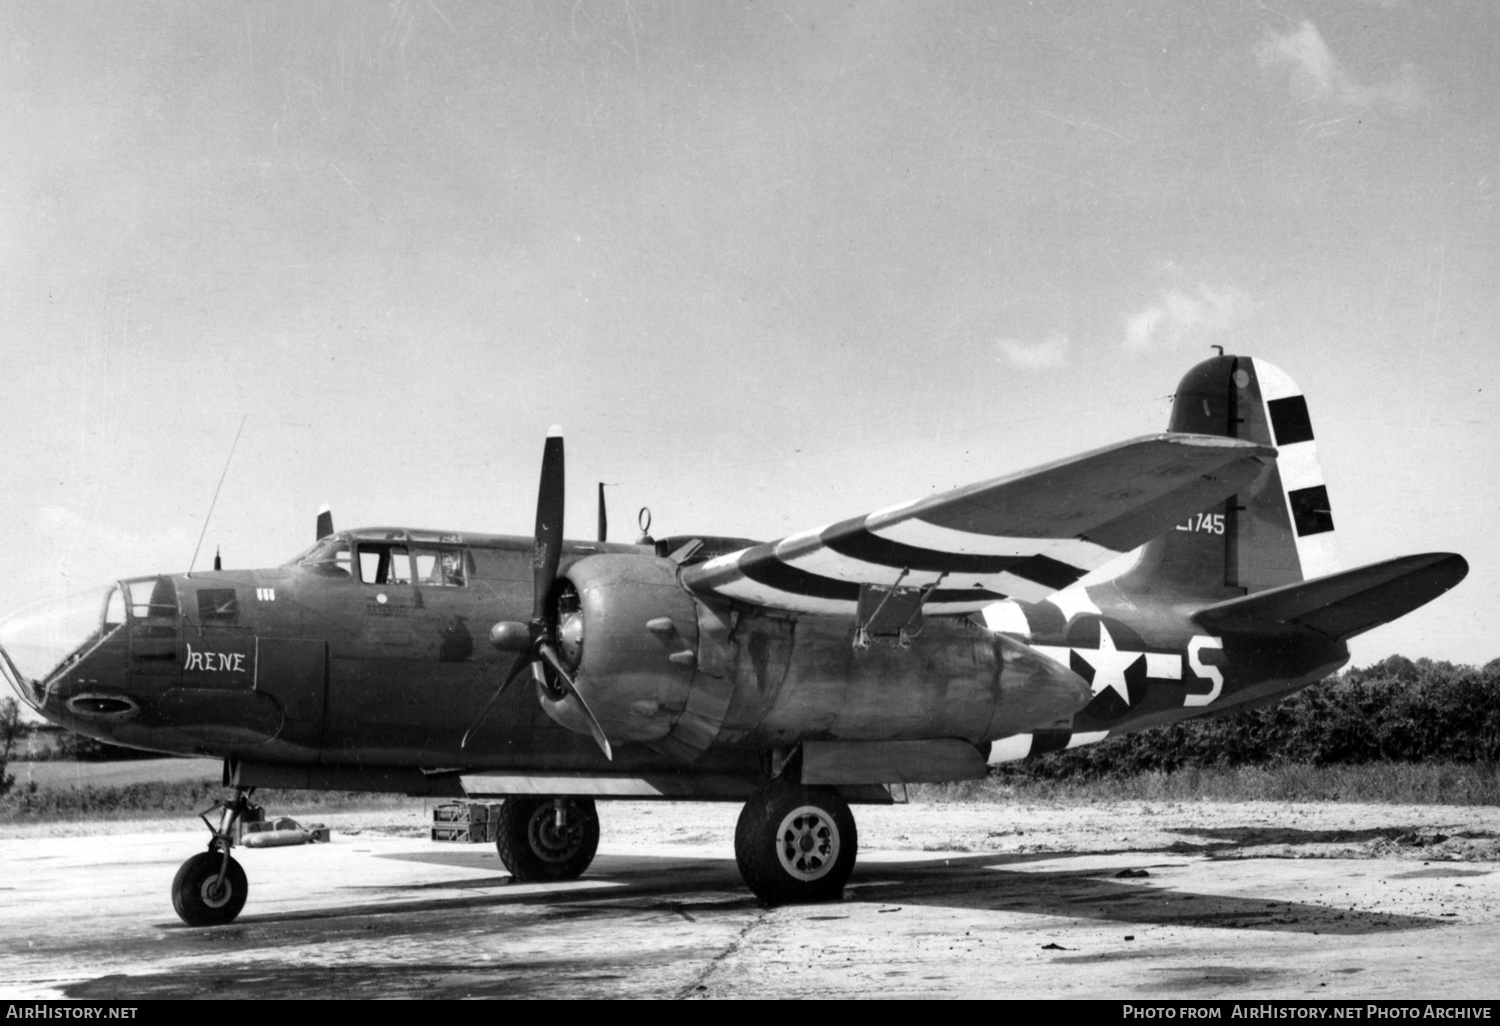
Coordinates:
(1195, 660)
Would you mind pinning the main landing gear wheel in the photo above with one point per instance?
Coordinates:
(201, 898)
(795, 844)
(542, 840)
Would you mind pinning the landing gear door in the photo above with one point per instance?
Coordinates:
(294, 671)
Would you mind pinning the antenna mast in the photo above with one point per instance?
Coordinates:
(215, 499)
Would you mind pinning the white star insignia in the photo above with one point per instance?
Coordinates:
(1109, 665)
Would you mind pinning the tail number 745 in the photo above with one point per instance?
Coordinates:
(1212, 523)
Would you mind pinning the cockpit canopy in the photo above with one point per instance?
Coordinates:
(391, 557)
(39, 644)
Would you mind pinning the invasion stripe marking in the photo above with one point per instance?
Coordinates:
(827, 563)
(1087, 737)
(803, 542)
(920, 534)
(1007, 618)
(773, 573)
(756, 594)
(1044, 741)
(872, 548)
(1025, 746)
(1010, 749)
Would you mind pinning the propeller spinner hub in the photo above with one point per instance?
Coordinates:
(511, 636)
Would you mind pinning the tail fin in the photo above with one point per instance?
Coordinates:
(1279, 529)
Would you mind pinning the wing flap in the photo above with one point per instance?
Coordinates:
(1024, 536)
(1345, 604)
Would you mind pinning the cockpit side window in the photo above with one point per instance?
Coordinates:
(442, 567)
(218, 606)
(383, 563)
(154, 635)
(153, 598)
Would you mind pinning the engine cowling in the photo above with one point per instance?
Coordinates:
(631, 646)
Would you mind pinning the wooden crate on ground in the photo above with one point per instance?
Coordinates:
(465, 822)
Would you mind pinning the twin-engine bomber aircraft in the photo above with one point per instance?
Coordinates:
(921, 643)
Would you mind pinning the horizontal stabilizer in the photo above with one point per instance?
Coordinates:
(1345, 604)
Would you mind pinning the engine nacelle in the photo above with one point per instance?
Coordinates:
(631, 646)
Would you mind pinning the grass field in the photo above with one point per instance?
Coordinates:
(58, 791)
(53, 775)
(1441, 783)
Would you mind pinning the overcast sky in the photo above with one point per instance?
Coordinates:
(768, 264)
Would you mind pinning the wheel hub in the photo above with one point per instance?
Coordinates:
(553, 843)
(215, 892)
(807, 843)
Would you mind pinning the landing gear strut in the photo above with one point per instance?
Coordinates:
(547, 839)
(795, 843)
(210, 888)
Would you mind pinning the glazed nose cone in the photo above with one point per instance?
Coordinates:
(40, 642)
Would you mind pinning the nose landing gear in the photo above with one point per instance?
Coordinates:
(210, 888)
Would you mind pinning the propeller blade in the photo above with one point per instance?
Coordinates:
(549, 524)
(553, 660)
(479, 719)
(546, 557)
(325, 522)
(522, 661)
(603, 516)
(516, 667)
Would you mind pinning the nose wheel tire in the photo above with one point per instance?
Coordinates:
(536, 848)
(795, 844)
(201, 898)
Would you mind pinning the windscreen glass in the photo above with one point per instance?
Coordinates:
(37, 643)
(329, 557)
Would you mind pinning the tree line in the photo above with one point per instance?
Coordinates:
(1396, 710)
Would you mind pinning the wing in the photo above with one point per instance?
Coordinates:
(1025, 536)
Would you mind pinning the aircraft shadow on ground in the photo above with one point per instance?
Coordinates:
(645, 884)
(1226, 840)
(981, 882)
